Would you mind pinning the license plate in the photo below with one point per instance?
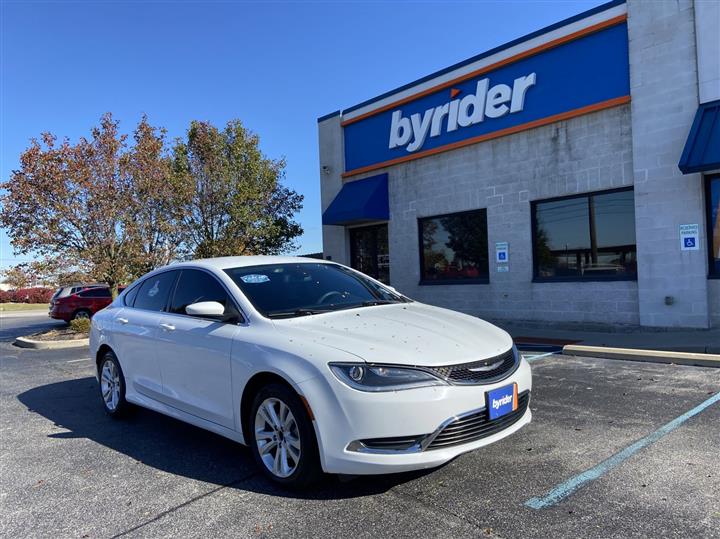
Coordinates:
(502, 401)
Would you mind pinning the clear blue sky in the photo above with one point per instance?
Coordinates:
(277, 66)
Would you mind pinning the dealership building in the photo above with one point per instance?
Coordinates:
(570, 175)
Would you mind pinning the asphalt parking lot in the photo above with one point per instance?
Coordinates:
(599, 460)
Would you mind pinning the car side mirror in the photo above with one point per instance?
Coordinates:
(206, 309)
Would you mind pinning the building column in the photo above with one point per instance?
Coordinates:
(330, 142)
(664, 90)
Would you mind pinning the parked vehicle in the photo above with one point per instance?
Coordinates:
(81, 304)
(69, 289)
(315, 366)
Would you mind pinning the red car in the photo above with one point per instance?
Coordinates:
(82, 304)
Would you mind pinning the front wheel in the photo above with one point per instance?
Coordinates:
(282, 437)
(112, 385)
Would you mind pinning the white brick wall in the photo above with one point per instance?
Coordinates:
(664, 92)
(330, 170)
(583, 154)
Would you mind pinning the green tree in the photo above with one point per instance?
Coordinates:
(467, 239)
(236, 202)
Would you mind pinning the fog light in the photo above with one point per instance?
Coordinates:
(356, 373)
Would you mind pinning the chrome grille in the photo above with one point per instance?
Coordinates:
(483, 371)
(478, 425)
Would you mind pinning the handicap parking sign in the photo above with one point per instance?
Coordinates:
(689, 237)
(501, 251)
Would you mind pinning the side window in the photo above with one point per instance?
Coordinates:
(95, 293)
(131, 295)
(154, 291)
(194, 286)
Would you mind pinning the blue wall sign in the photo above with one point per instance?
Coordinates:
(588, 72)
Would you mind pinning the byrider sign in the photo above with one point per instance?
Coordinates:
(558, 80)
(500, 100)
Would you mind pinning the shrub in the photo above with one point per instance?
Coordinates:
(80, 325)
(27, 295)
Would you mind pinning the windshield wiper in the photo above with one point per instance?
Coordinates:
(374, 302)
(297, 312)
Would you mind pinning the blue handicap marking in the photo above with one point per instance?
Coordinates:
(501, 256)
(689, 242)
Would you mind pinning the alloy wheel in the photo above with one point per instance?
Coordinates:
(110, 385)
(277, 437)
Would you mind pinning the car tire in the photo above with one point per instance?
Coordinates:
(112, 386)
(287, 452)
(82, 313)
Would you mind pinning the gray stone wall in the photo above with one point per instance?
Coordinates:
(584, 154)
(714, 303)
(664, 90)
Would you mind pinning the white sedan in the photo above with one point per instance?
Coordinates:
(315, 366)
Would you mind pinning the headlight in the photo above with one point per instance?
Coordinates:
(382, 377)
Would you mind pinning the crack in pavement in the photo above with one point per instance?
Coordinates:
(185, 504)
(486, 532)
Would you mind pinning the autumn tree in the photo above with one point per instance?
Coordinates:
(94, 204)
(157, 200)
(237, 204)
(18, 276)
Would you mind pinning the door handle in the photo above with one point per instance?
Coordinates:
(167, 327)
(122, 320)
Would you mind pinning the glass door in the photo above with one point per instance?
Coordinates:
(369, 252)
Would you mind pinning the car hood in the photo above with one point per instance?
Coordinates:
(403, 334)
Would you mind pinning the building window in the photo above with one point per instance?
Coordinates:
(587, 237)
(713, 223)
(454, 248)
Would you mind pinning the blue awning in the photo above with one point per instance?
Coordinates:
(360, 201)
(702, 149)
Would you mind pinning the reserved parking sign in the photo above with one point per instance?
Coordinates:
(689, 237)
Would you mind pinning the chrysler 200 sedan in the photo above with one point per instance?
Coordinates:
(315, 366)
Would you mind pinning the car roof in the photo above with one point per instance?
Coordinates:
(225, 262)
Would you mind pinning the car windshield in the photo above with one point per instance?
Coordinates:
(289, 290)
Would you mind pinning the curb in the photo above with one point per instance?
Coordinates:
(652, 356)
(25, 342)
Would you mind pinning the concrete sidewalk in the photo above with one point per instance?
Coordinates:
(703, 341)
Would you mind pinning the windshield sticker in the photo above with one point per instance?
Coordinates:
(155, 289)
(255, 278)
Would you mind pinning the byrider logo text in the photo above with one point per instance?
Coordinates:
(486, 102)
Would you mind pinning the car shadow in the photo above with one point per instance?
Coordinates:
(175, 447)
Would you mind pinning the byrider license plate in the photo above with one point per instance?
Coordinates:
(502, 401)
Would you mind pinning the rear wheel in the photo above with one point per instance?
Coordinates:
(282, 437)
(112, 385)
(82, 314)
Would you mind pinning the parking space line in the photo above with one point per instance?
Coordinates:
(530, 359)
(571, 485)
(81, 359)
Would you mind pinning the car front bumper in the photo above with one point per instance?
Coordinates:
(343, 416)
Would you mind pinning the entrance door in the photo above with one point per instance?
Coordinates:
(369, 251)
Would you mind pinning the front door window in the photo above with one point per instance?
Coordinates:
(369, 251)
